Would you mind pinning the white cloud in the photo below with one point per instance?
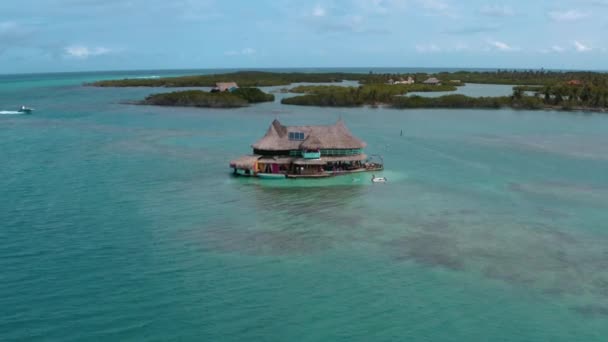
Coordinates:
(569, 15)
(319, 11)
(580, 47)
(557, 48)
(84, 52)
(427, 48)
(502, 46)
(248, 51)
(497, 11)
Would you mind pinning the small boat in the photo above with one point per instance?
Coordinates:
(25, 109)
(378, 179)
(271, 175)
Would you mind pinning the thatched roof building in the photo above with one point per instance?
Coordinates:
(432, 81)
(223, 86)
(286, 138)
(305, 151)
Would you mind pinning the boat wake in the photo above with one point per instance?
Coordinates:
(10, 112)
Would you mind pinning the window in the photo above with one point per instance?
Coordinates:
(296, 136)
(346, 152)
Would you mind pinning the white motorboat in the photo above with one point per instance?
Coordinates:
(25, 109)
(378, 179)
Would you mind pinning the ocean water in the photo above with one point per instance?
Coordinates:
(122, 222)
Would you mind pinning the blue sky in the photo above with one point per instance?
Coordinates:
(77, 35)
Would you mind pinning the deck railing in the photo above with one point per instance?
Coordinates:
(326, 152)
(311, 155)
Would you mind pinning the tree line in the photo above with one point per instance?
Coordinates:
(241, 97)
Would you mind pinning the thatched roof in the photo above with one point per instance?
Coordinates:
(315, 137)
(223, 86)
(432, 80)
(245, 162)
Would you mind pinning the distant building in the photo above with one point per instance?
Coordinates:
(574, 82)
(432, 81)
(390, 81)
(409, 80)
(226, 86)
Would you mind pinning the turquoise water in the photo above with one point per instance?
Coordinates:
(123, 223)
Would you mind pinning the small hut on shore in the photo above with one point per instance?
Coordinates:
(409, 80)
(305, 151)
(226, 86)
(432, 81)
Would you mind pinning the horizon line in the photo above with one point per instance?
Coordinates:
(295, 68)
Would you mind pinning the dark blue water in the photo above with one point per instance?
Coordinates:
(122, 222)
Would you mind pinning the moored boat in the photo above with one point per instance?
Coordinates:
(378, 179)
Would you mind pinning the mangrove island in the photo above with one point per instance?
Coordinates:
(533, 89)
(240, 97)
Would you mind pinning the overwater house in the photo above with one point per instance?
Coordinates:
(305, 151)
(226, 86)
(432, 81)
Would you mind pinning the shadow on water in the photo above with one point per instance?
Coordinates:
(284, 221)
(255, 242)
(328, 204)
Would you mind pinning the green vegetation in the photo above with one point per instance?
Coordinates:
(533, 88)
(525, 77)
(462, 101)
(261, 78)
(242, 78)
(253, 95)
(379, 88)
(588, 96)
(561, 96)
(371, 94)
(551, 89)
(198, 98)
(345, 99)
